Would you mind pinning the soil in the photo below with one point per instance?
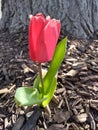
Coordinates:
(75, 104)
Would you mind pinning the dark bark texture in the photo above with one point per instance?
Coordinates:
(79, 17)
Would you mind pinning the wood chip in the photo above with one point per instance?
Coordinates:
(71, 59)
(26, 68)
(89, 78)
(75, 126)
(92, 122)
(71, 73)
(19, 123)
(61, 116)
(4, 90)
(60, 90)
(78, 65)
(81, 117)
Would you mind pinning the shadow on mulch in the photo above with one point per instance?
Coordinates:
(76, 104)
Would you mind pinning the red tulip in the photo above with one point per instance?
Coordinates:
(43, 37)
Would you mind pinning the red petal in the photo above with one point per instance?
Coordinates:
(35, 27)
(48, 41)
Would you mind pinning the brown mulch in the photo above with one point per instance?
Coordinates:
(75, 105)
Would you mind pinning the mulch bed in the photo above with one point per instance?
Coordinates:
(75, 105)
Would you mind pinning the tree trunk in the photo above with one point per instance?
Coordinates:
(79, 17)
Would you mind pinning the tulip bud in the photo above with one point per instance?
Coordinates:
(43, 37)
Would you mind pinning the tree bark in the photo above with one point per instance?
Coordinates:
(79, 18)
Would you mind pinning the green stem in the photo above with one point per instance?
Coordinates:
(41, 78)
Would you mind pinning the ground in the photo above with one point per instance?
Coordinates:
(76, 104)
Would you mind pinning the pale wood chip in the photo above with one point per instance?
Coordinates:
(81, 117)
(26, 68)
(75, 126)
(71, 73)
(78, 65)
(4, 90)
(60, 90)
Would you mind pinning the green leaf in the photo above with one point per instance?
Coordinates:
(55, 64)
(51, 91)
(36, 82)
(27, 96)
(50, 94)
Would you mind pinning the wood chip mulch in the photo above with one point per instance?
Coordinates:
(75, 104)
